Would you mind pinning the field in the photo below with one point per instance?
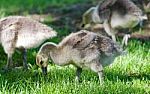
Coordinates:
(129, 74)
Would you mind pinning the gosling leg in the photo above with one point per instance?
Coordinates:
(101, 77)
(9, 64)
(98, 68)
(78, 74)
(25, 65)
(109, 30)
(125, 39)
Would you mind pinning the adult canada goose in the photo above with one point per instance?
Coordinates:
(22, 33)
(83, 49)
(114, 15)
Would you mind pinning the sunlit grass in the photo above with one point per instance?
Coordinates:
(128, 74)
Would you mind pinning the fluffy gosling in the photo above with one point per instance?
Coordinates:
(22, 33)
(83, 49)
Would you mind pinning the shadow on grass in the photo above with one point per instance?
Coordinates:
(112, 76)
(64, 74)
(56, 77)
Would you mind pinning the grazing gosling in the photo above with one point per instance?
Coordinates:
(83, 49)
(114, 15)
(22, 33)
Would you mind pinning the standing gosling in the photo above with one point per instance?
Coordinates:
(83, 49)
(114, 15)
(22, 33)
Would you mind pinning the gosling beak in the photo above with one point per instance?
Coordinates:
(82, 25)
(44, 70)
(86, 26)
(125, 52)
(143, 18)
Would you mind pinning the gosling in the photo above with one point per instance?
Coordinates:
(83, 49)
(22, 33)
(114, 15)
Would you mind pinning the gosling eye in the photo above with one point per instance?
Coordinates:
(82, 25)
(41, 62)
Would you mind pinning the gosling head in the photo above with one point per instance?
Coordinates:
(90, 17)
(142, 18)
(42, 62)
(44, 55)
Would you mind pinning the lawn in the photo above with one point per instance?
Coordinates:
(129, 74)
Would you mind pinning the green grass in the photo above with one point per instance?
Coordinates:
(129, 74)
(15, 6)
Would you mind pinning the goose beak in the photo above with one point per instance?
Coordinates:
(44, 70)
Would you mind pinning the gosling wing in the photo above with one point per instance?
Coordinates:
(107, 46)
(129, 6)
(104, 4)
(79, 40)
(26, 25)
(104, 8)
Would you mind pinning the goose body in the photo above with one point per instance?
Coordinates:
(83, 49)
(22, 33)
